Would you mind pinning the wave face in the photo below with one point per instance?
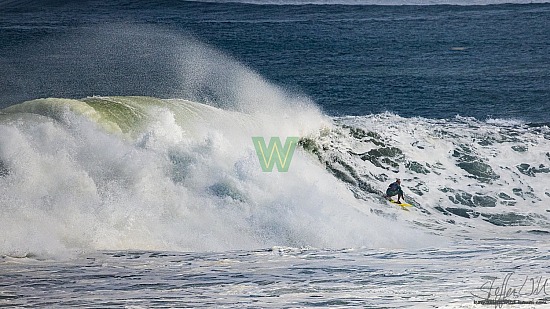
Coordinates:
(464, 176)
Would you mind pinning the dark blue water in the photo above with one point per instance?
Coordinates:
(432, 61)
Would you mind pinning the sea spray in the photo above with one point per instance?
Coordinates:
(193, 184)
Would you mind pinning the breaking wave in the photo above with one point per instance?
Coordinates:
(139, 172)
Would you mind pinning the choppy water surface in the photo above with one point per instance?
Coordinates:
(451, 277)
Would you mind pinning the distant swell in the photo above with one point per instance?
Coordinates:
(376, 2)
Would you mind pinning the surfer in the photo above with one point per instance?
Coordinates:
(395, 189)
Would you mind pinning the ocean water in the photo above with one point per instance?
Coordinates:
(128, 176)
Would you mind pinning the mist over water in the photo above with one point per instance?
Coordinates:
(108, 59)
(137, 59)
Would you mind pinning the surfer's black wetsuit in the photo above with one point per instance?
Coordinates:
(395, 189)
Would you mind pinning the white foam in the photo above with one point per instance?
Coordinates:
(432, 143)
(505, 122)
(74, 186)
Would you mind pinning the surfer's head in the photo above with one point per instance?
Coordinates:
(398, 180)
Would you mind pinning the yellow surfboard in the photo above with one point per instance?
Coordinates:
(404, 205)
